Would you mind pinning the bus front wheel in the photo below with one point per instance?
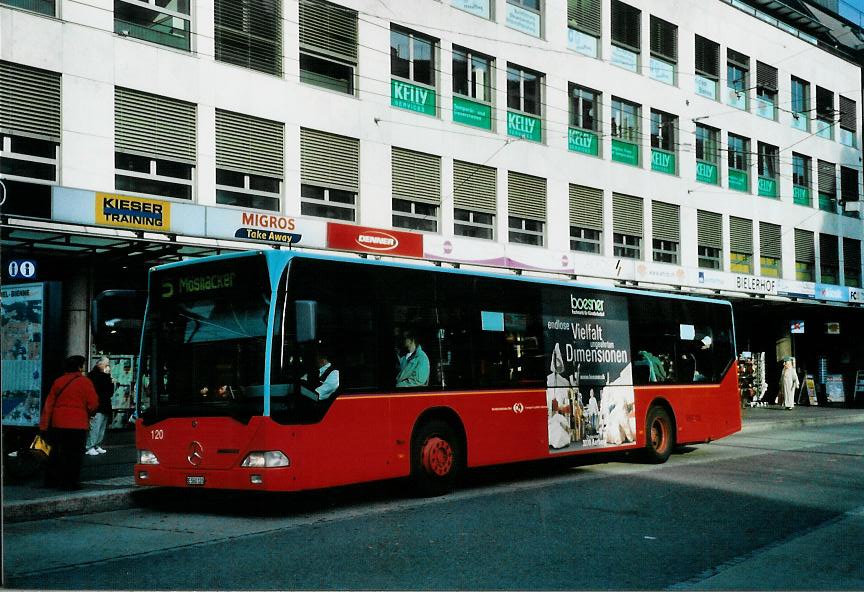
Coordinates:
(436, 457)
(659, 435)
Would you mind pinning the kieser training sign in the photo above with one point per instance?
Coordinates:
(347, 237)
(138, 213)
(589, 393)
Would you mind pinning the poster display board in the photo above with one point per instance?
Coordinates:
(589, 392)
(858, 391)
(834, 392)
(810, 384)
(21, 358)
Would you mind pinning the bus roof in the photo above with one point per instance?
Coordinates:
(279, 259)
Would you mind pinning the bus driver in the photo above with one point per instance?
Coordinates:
(325, 383)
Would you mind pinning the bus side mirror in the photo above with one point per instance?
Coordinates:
(306, 319)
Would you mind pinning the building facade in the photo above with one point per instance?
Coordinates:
(711, 147)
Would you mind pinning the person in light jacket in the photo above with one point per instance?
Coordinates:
(789, 383)
(414, 365)
(71, 402)
(100, 375)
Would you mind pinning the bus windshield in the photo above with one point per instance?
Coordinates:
(205, 338)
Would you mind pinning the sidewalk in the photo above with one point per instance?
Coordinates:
(108, 482)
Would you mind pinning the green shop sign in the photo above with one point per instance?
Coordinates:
(625, 152)
(767, 187)
(801, 195)
(412, 97)
(582, 141)
(524, 126)
(739, 180)
(662, 161)
(472, 113)
(706, 172)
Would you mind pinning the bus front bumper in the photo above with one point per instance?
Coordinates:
(262, 479)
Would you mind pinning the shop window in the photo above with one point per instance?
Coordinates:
(768, 165)
(626, 132)
(143, 175)
(524, 103)
(663, 142)
(800, 104)
(707, 154)
(412, 56)
(525, 232)
(46, 7)
(248, 191)
(248, 33)
(737, 79)
(801, 179)
(741, 262)
(739, 163)
(481, 8)
(584, 107)
(158, 21)
(770, 267)
(525, 16)
(472, 74)
(328, 45)
(474, 224)
(586, 240)
(664, 50)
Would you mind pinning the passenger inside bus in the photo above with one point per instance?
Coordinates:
(414, 365)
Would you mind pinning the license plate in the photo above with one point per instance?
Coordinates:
(195, 480)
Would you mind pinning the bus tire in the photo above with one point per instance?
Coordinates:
(437, 454)
(659, 435)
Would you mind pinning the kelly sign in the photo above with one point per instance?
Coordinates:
(472, 113)
(347, 237)
(706, 172)
(524, 126)
(582, 141)
(625, 152)
(662, 161)
(412, 97)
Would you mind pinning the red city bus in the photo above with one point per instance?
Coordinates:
(283, 371)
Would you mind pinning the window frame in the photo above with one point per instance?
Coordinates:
(327, 202)
(521, 230)
(470, 56)
(615, 131)
(153, 7)
(433, 56)
(574, 114)
(579, 239)
(511, 67)
(472, 223)
(413, 215)
(153, 175)
(627, 246)
(246, 190)
(7, 154)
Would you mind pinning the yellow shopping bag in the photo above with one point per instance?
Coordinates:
(40, 445)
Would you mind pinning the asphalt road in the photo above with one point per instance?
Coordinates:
(759, 511)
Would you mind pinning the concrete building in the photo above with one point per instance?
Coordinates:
(710, 146)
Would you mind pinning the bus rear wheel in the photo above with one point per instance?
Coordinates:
(659, 435)
(436, 457)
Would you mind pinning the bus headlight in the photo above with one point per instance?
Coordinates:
(268, 459)
(145, 457)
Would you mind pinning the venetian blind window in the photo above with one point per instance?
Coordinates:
(665, 232)
(166, 22)
(627, 226)
(474, 200)
(829, 259)
(709, 239)
(328, 45)
(586, 219)
(805, 256)
(249, 160)
(741, 245)
(770, 250)
(766, 91)
(154, 144)
(29, 134)
(329, 175)
(664, 50)
(827, 182)
(584, 22)
(707, 67)
(849, 189)
(416, 189)
(852, 262)
(825, 115)
(737, 79)
(248, 33)
(848, 122)
(626, 35)
(526, 208)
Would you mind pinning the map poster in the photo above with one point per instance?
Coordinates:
(21, 352)
(589, 387)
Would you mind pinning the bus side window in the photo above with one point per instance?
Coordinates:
(653, 341)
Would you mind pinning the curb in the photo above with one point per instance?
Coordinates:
(763, 426)
(124, 498)
(84, 503)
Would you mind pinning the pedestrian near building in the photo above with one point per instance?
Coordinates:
(100, 375)
(788, 383)
(65, 420)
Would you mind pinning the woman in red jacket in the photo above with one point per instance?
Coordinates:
(66, 419)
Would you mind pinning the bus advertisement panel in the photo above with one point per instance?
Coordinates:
(589, 388)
